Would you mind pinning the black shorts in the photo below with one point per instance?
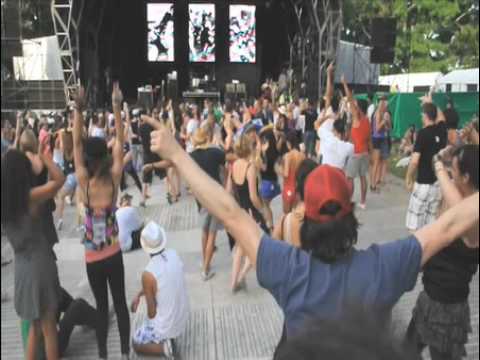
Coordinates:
(148, 175)
(378, 143)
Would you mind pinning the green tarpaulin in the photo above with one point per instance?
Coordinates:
(406, 108)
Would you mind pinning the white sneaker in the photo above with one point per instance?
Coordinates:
(362, 206)
(207, 276)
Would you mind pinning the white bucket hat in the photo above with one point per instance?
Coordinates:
(153, 238)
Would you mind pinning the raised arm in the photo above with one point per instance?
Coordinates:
(128, 129)
(330, 87)
(78, 126)
(18, 130)
(48, 191)
(208, 192)
(351, 100)
(452, 225)
(117, 152)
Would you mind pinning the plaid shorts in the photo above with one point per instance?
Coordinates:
(423, 208)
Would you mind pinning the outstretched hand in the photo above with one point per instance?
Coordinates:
(117, 95)
(162, 142)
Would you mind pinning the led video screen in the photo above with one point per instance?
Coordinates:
(242, 33)
(202, 32)
(160, 33)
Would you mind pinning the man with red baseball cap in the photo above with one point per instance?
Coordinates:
(324, 276)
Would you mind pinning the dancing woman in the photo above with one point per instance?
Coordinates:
(37, 288)
(244, 185)
(99, 178)
(441, 318)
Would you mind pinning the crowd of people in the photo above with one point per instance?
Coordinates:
(236, 159)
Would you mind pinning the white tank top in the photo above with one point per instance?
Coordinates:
(173, 307)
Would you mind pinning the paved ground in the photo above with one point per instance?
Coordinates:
(222, 325)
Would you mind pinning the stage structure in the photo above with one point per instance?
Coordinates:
(66, 17)
(30, 65)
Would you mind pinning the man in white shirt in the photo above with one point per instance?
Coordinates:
(130, 224)
(335, 151)
(162, 307)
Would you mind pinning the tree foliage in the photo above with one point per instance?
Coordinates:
(435, 35)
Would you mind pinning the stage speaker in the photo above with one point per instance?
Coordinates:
(384, 32)
(230, 89)
(384, 38)
(145, 98)
(172, 89)
(382, 56)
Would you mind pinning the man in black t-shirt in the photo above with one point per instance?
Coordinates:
(211, 160)
(426, 195)
(149, 161)
(310, 137)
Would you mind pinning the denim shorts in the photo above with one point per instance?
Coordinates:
(269, 190)
(70, 183)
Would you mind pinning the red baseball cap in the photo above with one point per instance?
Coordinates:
(324, 185)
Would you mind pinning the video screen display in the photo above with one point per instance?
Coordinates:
(243, 33)
(160, 33)
(202, 32)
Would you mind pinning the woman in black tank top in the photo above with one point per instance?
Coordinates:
(244, 185)
(441, 318)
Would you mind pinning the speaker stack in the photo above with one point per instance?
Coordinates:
(235, 91)
(384, 38)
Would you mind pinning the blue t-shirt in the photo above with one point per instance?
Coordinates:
(307, 288)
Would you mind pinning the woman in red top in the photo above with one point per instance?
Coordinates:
(361, 137)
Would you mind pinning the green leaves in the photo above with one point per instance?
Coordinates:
(444, 33)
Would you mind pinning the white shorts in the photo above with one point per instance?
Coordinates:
(423, 208)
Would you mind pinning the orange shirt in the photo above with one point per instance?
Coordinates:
(361, 136)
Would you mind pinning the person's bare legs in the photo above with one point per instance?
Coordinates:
(204, 244)
(145, 194)
(268, 213)
(61, 207)
(376, 169)
(174, 184)
(33, 340)
(246, 268)
(149, 349)
(364, 188)
(236, 265)
(209, 250)
(383, 176)
(50, 336)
